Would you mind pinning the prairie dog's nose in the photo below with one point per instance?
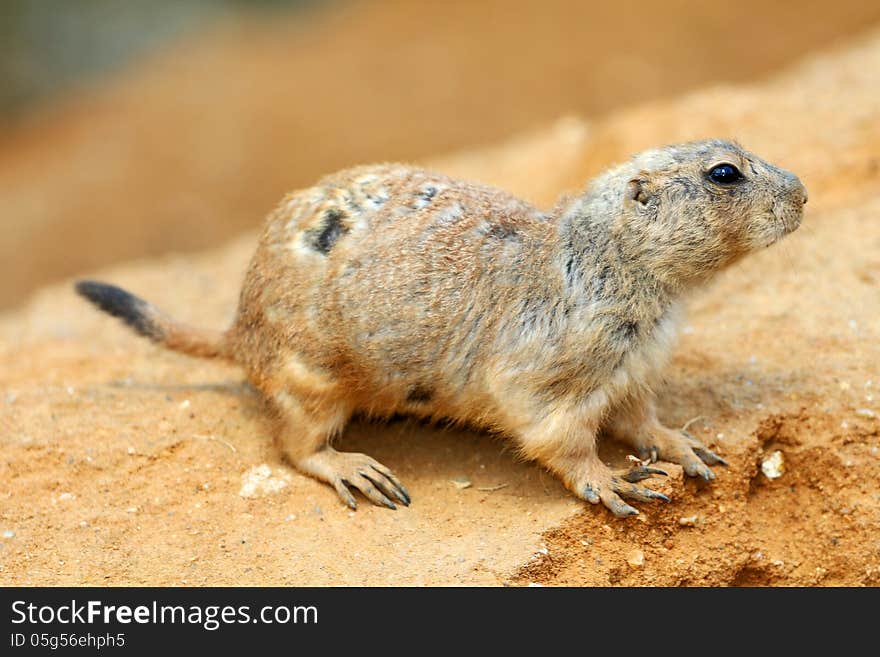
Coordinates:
(797, 189)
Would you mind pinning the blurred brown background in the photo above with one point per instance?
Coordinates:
(138, 129)
(133, 129)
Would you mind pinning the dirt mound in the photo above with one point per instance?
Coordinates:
(123, 464)
(194, 146)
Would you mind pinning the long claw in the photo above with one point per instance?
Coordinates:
(400, 491)
(638, 493)
(708, 456)
(345, 494)
(384, 485)
(696, 468)
(644, 494)
(641, 472)
(376, 496)
(620, 508)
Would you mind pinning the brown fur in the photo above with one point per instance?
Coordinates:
(390, 289)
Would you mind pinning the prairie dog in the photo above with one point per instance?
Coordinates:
(390, 289)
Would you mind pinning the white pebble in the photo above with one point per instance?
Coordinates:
(635, 558)
(8, 533)
(866, 412)
(259, 480)
(687, 521)
(773, 466)
(184, 404)
(853, 324)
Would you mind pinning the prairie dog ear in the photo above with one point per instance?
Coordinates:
(640, 189)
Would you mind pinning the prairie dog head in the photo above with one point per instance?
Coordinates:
(688, 210)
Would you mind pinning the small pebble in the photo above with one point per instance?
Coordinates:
(8, 534)
(774, 465)
(184, 404)
(687, 521)
(460, 482)
(635, 558)
(866, 412)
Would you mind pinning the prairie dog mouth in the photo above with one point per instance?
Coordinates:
(778, 226)
(789, 217)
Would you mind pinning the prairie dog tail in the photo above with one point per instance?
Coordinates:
(150, 322)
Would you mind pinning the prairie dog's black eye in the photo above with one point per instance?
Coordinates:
(724, 174)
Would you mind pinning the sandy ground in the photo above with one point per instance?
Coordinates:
(189, 148)
(123, 464)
